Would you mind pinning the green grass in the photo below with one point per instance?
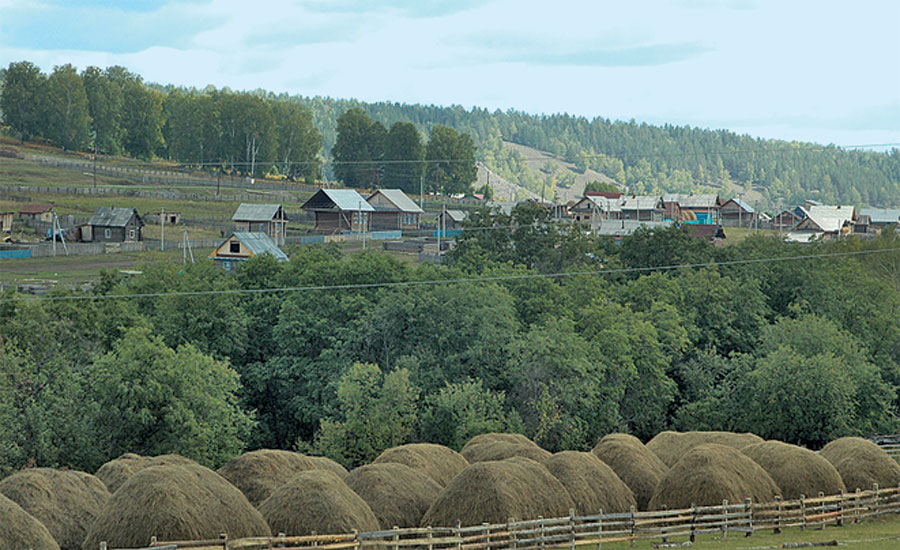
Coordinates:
(734, 235)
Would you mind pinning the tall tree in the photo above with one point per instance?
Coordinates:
(299, 142)
(404, 154)
(105, 108)
(23, 98)
(358, 149)
(142, 118)
(451, 161)
(69, 121)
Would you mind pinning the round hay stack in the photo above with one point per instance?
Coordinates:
(117, 471)
(174, 502)
(65, 501)
(18, 529)
(495, 491)
(317, 501)
(709, 474)
(634, 463)
(671, 446)
(397, 494)
(258, 473)
(861, 463)
(325, 463)
(498, 446)
(436, 461)
(796, 471)
(593, 485)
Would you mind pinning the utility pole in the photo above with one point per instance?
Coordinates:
(162, 238)
(219, 179)
(94, 157)
(422, 191)
(186, 248)
(441, 223)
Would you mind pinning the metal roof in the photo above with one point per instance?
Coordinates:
(399, 199)
(742, 204)
(882, 215)
(828, 224)
(249, 212)
(457, 215)
(111, 216)
(258, 243)
(640, 202)
(340, 199)
(841, 212)
(705, 200)
(627, 227)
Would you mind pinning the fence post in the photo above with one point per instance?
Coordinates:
(103, 546)
(725, 518)
(512, 533)
(802, 512)
(777, 528)
(693, 522)
(487, 534)
(875, 498)
(856, 506)
(571, 528)
(430, 536)
(457, 531)
(633, 526)
(748, 507)
(153, 540)
(822, 509)
(541, 530)
(840, 519)
(600, 530)
(665, 539)
(396, 538)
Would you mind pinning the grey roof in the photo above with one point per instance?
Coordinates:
(399, 198)
(348, 199)
(604, 204)
(627, 227)
(705, 200)
(457, 215)
(743, 204)
(640, 202)
(882, 215)
(248, 212)
(258, 243)
(111, 216)
(842, 212)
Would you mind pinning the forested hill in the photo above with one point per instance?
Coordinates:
(652, 159)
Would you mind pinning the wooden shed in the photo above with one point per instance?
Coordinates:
(339, 210)
(37, 212)
(393, 210)
(261, 218)
(110, 224)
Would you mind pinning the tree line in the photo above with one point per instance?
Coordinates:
(799, 350)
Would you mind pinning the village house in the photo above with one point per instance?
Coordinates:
(737, 213)
(879, 218)
(37, 212)
(642, 208)
(452, 219)
(339, 210)
(595, 207)
(261, 218)
(701, 208)
(393, 210)
(788, 219)
(240, 246)
(113, 225)
(825, 220)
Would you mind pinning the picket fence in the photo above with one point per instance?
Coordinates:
(590, 531)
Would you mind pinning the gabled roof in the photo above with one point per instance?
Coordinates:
(828, 224)
(844, 213)
(338, 199)
(399, 199)
(257, 243)
(603, 204)
(641, 202)
(35, 208)
(456, 215)
(249, 212)
(706, 200)
(627, 227)
(111, 216)
(881, 215)
(742, 204)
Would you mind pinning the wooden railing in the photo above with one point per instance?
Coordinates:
(592, 530)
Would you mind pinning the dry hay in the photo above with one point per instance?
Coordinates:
(634, 463)
(19, 529)
(593, 485)
(796, 471)
(117, 471)
(397, 494)
(862, 463)
(709, 474)
(65, 501)
(174, 502)
(436, 461)
(671, 446)
(258, 473)
(496, 491)
(317, 501)
(498, 446)
(325, 463)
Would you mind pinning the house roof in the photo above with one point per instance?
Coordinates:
(607, 194)
(882, 215)
(604, 204)
(257, 243)
(111, 216)
(841, 212)
(703, 200)
(627, 227)
(399, 199)
(340, 199)
(828, 224)
(742, 204)
(640, 202)
(249, 212)
(456, 215)
(35, 208)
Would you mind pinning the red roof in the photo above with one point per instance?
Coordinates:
(35, 208)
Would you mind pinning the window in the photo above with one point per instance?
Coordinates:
(131, 234)
(107, 233)
(234, 247)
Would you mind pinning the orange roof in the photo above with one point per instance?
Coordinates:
(35, 208)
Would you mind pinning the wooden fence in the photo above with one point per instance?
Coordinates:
(573, 530)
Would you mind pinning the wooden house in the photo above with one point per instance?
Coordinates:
(37, 212)
(642, 208)
(451, 219)
(879, 218)
(595, 207)
(393, 210)
(114, 225)
(240, 246)
(788, 219)
(736, 213)
(261, 218)
(704, 208)
(339, 210)
(6, 221)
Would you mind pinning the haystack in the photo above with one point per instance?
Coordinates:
(18, 529)
(498, 446)
(796, 471)
(317, 501)
(593, 485)
(861, 463)
(397, 494)
(709, 474)
(325, 463)
(495, 491)
(436, 461)
(65, 501)
(174, 502)
(634, 463)
(671, 446)
(258, 473)
(117, 471)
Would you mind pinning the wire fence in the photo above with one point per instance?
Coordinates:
(744, 518)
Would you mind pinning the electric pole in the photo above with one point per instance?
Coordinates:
(162, 238)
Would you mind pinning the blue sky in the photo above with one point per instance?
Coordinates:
(823, 71)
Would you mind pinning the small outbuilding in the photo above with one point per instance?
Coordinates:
(37, 212)
(241, 246)
(261, 218)
(6, 221)
(340, 210)
(452, 219)
(393, 210)
(111, 224)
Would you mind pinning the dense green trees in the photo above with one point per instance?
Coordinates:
(22, 99)
(450, 157)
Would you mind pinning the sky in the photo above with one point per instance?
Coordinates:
(822, 71)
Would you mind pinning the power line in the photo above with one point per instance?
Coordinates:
(433, 282)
